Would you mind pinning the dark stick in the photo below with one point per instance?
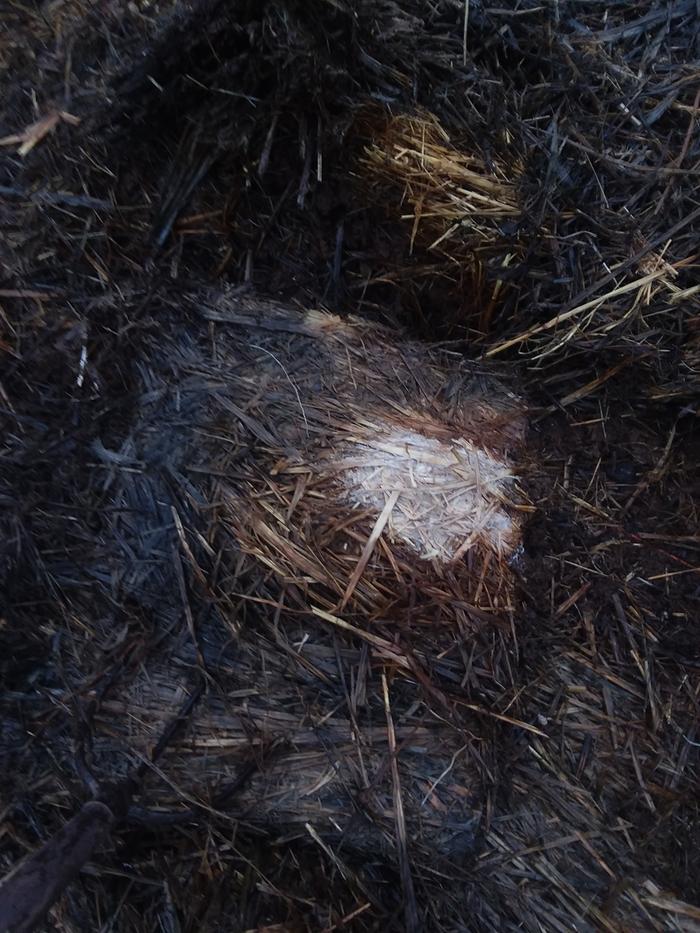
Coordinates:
(31, 887)
(58, 198)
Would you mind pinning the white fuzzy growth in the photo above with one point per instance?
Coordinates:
(450, 494)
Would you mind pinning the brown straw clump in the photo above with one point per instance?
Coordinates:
(453, 203)
(399, 454)
(453, 195)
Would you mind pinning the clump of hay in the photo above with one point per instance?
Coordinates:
(388, 447)
(453, 202)
(454, 197)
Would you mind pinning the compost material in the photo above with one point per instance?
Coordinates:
(349, 382)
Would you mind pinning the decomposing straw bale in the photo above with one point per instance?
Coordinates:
(398, 446)
(354, 488)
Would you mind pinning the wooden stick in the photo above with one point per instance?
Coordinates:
(32, 886)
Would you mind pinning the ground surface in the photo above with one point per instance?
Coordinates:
(223, 145)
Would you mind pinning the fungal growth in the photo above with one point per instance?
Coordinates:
(447, 496)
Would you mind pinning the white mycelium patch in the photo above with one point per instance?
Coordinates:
(449, 495)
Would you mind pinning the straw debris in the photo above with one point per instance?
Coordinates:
(349, 387)
(454, 206)
(455, 198)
